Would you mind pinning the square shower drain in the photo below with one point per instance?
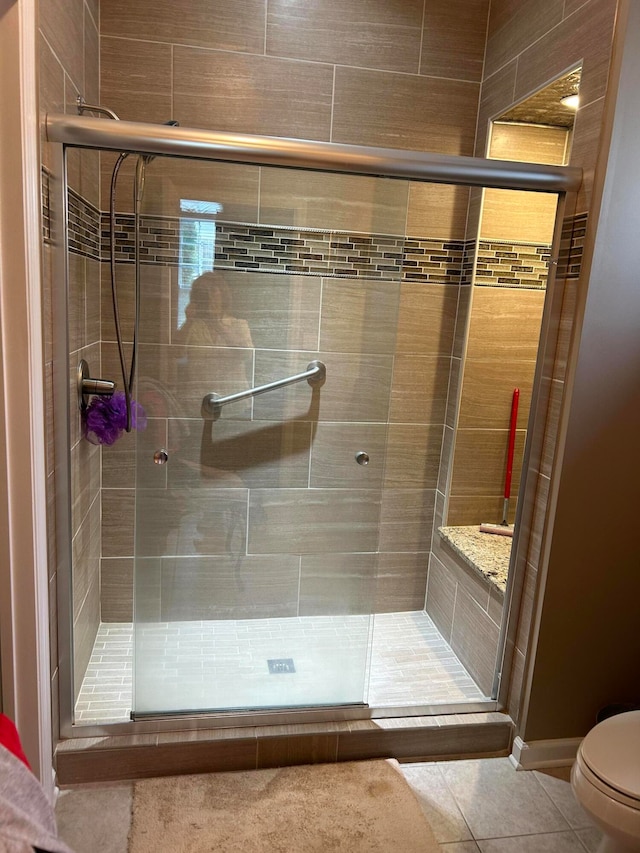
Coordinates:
(277, 665)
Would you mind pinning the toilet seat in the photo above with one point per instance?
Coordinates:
(608, 790)
(609, 758)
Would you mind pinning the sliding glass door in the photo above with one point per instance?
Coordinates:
(257, 522)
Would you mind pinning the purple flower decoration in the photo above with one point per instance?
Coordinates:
(106, 418)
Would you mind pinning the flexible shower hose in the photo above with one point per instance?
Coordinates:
(127, 381)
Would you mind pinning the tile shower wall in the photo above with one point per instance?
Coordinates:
(512, 264)
(241, 246)
(501, 354)
(309, 75)
(262, 69)
(69, 66)
(290, 472)
(525, 50)
(467, 609)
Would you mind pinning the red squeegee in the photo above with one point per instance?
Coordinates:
(504, 528)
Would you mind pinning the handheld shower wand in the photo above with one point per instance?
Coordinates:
(142, 162)
(131, 418)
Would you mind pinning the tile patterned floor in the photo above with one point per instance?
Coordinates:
(190, 665)
(485, 805)
(476, 806)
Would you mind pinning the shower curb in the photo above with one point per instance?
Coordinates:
(123, 757)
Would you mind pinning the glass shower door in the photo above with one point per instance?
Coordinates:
(257, 526)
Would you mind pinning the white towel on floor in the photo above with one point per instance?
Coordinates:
(26, 816)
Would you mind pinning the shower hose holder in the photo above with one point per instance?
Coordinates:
(89, 386)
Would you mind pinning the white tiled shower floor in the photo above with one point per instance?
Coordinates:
(224, 663)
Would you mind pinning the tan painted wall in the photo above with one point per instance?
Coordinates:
(588, 650)
(24, 579)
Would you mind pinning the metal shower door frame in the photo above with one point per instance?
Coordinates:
(85, 132)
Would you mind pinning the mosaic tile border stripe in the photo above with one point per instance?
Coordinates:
(84, 221)
(46, 204)
(520, 265)
(574, 229)
(243, 246)
(84, 227)
(468, 263)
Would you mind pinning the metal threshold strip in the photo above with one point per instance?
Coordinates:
(141, 137)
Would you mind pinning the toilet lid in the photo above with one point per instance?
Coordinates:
(612, 751)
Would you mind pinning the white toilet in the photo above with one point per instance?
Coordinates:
(606, 781)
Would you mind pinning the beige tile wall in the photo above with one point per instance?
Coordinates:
(522, 216)
(527, 49)
(369, 33)
(278, 480)
(503, 334)
(529, 45)
(69, 66)
(312, 74)
(467, 610)
(502, 348)
(326, 72)
(513, 27)
(529, 143)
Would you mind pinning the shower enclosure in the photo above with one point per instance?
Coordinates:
(264, 541)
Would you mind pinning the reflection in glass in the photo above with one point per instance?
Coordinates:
(258, 541)
(262, 539)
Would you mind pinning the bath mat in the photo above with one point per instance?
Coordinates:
(360, 807)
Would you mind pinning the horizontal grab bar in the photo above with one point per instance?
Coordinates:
(212, 404)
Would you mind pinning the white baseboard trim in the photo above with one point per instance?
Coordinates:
(538, 754)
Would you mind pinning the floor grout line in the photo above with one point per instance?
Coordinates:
(410, 661)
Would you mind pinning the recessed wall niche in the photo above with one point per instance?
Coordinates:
(514, 236)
